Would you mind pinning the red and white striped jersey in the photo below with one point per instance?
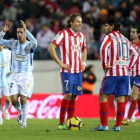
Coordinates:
(70, 47)
(115, 50)
(136, 68)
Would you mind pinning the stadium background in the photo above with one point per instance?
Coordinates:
(53, 14)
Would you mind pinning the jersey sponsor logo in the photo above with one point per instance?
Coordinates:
(75, 48)
(121, 62)
(3, 64)
(19, 57)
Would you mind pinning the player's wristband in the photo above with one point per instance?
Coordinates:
(84, 63)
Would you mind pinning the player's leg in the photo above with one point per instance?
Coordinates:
(66, 79)
(103, 99)
(26, 83)
(120, 112)
(115, 106)
(5, 108)
(139, 105)
(1, 120)
(14, 94)
(105, 91)
(134, 97)
(17, 105)
(103, 113)
(77, 90)
(139, 101)
(24, 110)
(122, 91)
(63, 110)
(71, 107)
(7, 102)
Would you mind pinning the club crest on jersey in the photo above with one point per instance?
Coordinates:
(79, 88)
(75, 48)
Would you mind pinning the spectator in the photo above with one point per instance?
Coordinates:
(89, 80)
(9, 12)
(44, 37)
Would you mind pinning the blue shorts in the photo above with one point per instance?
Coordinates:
(135, 81)
(116, 85)
(72, 83)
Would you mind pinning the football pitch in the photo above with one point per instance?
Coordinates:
(46, 129)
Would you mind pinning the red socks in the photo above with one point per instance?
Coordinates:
(132, 108)
(120, 113)
(139, 106)
(63, 110)
(71, 109)
(104, 113)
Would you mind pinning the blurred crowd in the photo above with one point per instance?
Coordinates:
(44, 18)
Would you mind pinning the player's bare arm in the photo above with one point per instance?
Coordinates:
(84, 58)
(1, 48)
(23, 24)
(54, 56)
(6, 26)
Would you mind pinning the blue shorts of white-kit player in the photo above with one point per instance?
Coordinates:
(115, 85)
(22, 83)
(72, 83)
(4, 91)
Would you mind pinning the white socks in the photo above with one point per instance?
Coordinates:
(6, 106)
(24, 112)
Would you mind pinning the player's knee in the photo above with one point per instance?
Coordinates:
(100, 99)
(23, 100)
(67, 96)
(7, 99)
(14, 102)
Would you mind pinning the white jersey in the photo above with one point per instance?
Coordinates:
(22, 54)
(5, 57)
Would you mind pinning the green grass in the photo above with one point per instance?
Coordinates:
(36, 130)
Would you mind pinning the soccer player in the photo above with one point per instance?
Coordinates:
(4, 81)
(22, 67)
(135, 76)
(114, 53)
(72, 46)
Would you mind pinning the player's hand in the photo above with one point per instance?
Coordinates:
(65, 66)
(105, 70)
(85, 75)
(23, 24)
(6, 26)
(83, 67)
(1, 48)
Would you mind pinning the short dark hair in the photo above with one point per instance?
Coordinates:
(113, 21)
(19, 26)
(71, 18)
